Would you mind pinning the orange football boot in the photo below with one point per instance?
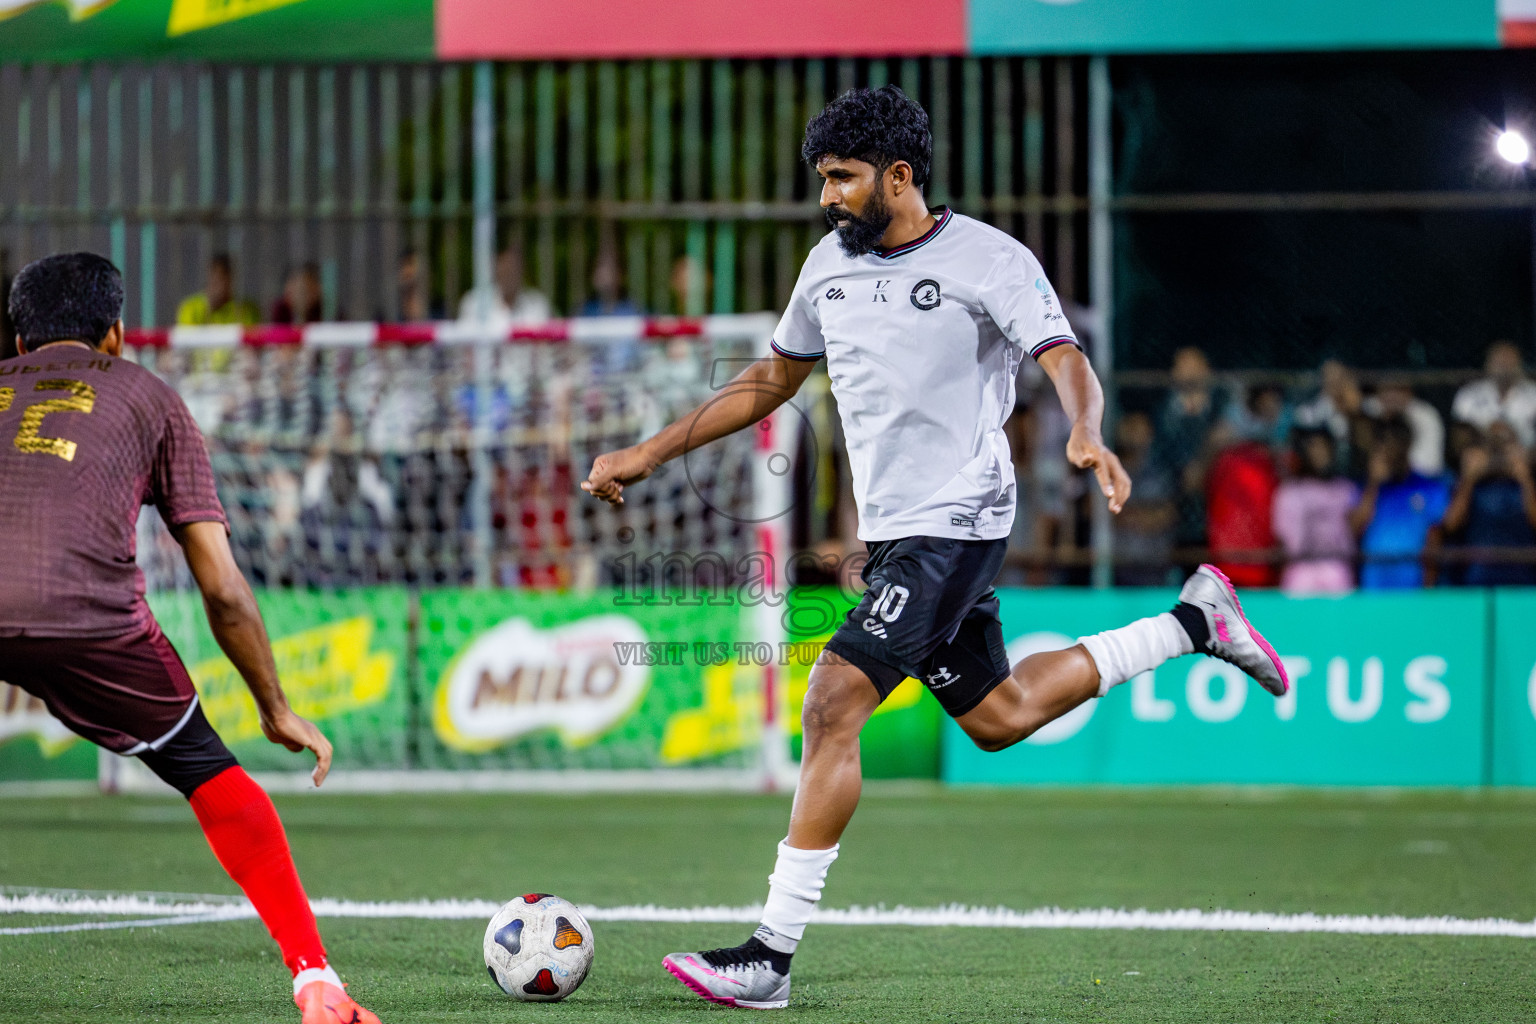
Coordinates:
(323, 1003)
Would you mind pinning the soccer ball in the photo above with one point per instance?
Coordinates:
(538, 948)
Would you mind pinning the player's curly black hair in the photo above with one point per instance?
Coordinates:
(878, 126)
(73, 296)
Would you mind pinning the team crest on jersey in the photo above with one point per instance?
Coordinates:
(925, 294)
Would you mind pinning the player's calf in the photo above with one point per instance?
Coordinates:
(247, 837)
(1208, 619)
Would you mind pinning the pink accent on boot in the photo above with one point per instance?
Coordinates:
(1258, 637)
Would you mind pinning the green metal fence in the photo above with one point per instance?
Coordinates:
(633, 164)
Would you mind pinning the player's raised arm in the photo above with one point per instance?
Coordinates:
(237, 626)
(754, 393)
(1082, 398)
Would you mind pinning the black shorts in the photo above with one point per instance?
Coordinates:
(929, 613)
(130, 694)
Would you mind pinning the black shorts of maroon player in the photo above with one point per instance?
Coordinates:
(929, 613)
(130, 694)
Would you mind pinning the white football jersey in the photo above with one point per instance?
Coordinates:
(922, 344)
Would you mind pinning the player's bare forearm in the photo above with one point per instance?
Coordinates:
(753, 394)
(1082, 399)
(232, 613)
(750, 396)
(236, 623)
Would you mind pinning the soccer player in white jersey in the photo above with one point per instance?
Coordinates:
(923, 317)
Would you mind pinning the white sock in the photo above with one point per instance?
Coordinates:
(1124, 653)
(794, 889)
(309, 974)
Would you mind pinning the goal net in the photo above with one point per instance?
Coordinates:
(442, 598)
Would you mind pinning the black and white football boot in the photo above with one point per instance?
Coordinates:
(749, 975)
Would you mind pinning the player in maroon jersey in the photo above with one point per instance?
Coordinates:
(87, 439)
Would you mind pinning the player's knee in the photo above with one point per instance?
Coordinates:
(829, 710)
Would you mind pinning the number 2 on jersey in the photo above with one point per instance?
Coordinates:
(82, 398)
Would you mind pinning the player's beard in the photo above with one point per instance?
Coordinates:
(859, 235)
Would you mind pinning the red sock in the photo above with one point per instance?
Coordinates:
(246, 835)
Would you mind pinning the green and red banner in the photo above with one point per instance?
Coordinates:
(342, 658)
(219, 30)
(1430, 688)
(284, 30)
(528, 680)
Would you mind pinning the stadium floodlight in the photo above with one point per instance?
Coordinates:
(1512, 146)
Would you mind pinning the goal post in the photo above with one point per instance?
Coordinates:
(442, 598)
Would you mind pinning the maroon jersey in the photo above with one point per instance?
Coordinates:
(86, 440)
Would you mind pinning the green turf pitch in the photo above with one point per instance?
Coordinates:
(1465, 855)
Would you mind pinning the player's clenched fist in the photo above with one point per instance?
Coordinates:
(613, 470)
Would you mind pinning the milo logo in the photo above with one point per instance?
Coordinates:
(517, 679)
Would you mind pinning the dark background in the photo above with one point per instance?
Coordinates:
(1400, 284)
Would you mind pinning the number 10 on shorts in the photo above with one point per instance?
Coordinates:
(892, 599)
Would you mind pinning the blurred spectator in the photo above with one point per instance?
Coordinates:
(670, 378)
(1505, 394)
(300, 302)
(216, 303)
(1186, 435)
(1458, 438)
(608, 298)
(413, 291)
(399, 407)
(1395, 397)
(531, 517)
(1311, 519)
(1265, 416)
(7, 332)
(1399, 512)
(345, 507)
(1495, 507)
(1338, 398)
(689, 284)
(1337, 408)
(508, 301)
(1240, 496)
(1144, 528)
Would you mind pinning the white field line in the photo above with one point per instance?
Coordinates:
(156, 910)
